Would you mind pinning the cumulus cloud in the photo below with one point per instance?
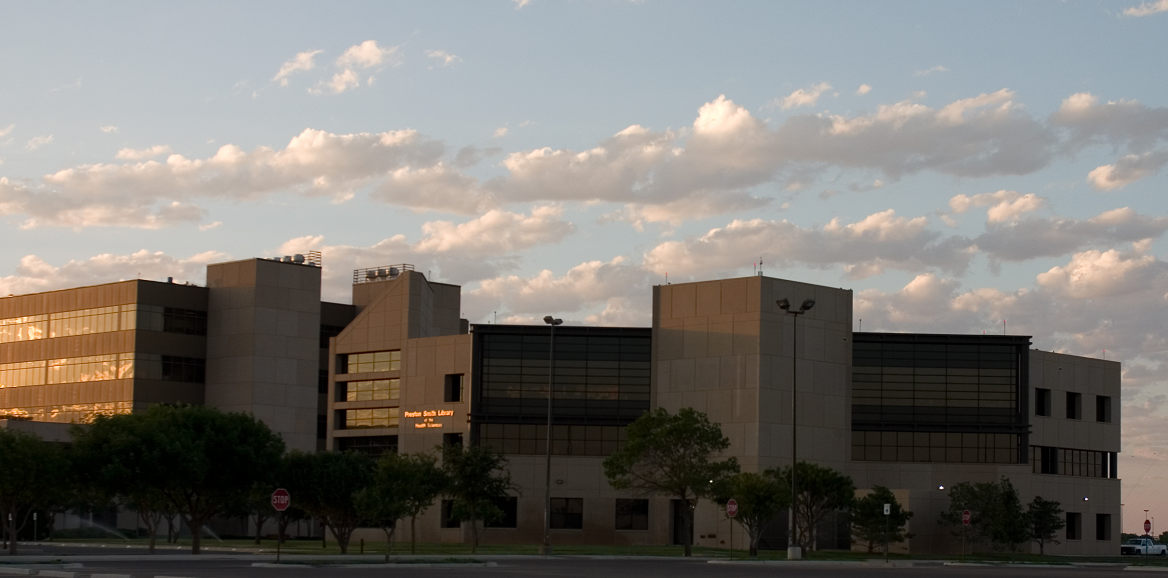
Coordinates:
(1123, 123)
(1021, 239)
(1147, 8)
(34, 274)
(4, 131)
(866, 247)
(367, 55)
(301, 62)
(1127, 170)
(929, 71)
(139, 154)
(443, 57)
(37, 142)
(500, 132)
(864, 89)
(108, 129)
(154, 193)
(803, 96)
(1004, 205)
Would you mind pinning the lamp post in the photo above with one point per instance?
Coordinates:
(793, 550)
(546, 547)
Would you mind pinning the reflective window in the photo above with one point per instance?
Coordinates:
(22, 374)
(24, 328)
(71, 413)
(370, 418)
(969, 448)
(373, 361)
(372, 445)
(90, 368)
(568, 440)
(1069, 462)
(371, 390)
(632, 514)
(85, 321)
(172, 320)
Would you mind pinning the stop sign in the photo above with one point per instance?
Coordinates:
(965, 517)
(281, 500)
(1147, 526)
(732, 508)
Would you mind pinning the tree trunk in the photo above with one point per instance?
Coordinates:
(151, 525)
(196, 527)
(388, 541)
(687, 527)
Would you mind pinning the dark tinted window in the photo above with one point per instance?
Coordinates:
(632, 514)
(567, 513)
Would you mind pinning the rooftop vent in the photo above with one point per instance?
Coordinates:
(383, 273)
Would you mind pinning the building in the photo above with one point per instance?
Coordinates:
(399, 370)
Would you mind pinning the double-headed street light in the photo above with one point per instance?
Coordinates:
(546, 547)
(793, 550)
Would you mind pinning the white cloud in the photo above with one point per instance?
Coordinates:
(1004, 205)
(108, 129)
(618, 286)
(1127, 170)
(521, 3)
(302, 61)
(802, 97)
(929, 71)
(864, 89)
(340, 82)
(139, 154)
(444, 57)
(4, 131)
(35, 275)
(210, 226)
(1123, 123)
(1017, 239)
(368, 55)
(866, 247)
(1147, 8)
(37, 142)
(500, 132)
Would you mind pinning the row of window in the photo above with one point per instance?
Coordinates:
(369, 418)
(969, 448)
(370, 362)
(566, 514)
(68, 413)
(103, 320)
(1073, 404)
(1074, 527)
(103, 368)
(567, 440)
(369, 390)
(1069, 462)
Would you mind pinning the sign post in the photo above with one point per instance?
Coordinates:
(887, 517)
(280, 501)
(1148, 531)
(732, 510)
(966, 518)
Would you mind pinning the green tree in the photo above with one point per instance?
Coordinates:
(760, 499)
(1012, 524)
(871, 526)
(477, 478)
(33, 474)
(1046, 519)
(326, 484)
(259, 506)
(413, 479)
(822, 490)
(672, 455)
(996, 514)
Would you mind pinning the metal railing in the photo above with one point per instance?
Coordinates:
(384, 273)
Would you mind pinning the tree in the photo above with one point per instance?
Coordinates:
(201, 461)
(1046, 519)
(760, 499)
(672, 455)
(476, 478)
(996, 515)
(870, 525)
(326, 484)
(32, 477)
(404, 485)
(821, 490)
(259, 506)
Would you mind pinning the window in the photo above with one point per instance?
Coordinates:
(952, 447)
(510, 507)
(1102, 526)
(372, 390)
(187, 369)
(452, 439)
(1042, 402)
(1074, 405)
(1070, 462)
(185, 321)
(447, 519)
(632, 514)
(1074, 526)
(370, 418)
(453, 389)
(1103, 409)
(373, 361)
(568, 513)
(372, 445)
(567, 440)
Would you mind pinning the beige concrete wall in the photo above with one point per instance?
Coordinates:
(263, 346)
(1061, 373)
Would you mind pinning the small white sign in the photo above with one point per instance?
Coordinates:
(887, 509)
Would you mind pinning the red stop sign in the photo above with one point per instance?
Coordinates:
(732, 508)
(281, 500)
(965, 517)
(1147, 526)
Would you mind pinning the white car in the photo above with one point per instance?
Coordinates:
(1143, 546)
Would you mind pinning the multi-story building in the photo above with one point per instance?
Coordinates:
(400, 370)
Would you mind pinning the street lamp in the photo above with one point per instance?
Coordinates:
(546, 548)
(793, 551)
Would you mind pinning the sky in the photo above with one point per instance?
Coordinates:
(963, 167)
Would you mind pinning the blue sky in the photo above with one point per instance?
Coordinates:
(955, 164)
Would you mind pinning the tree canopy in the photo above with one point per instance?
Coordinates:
(326, 484)
(672, 455)
(403, 486)
(34, 475)
(871, 526)
(996, 515)
(760, 499)
(1046, 519)
(476, 478)
(821, 490)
